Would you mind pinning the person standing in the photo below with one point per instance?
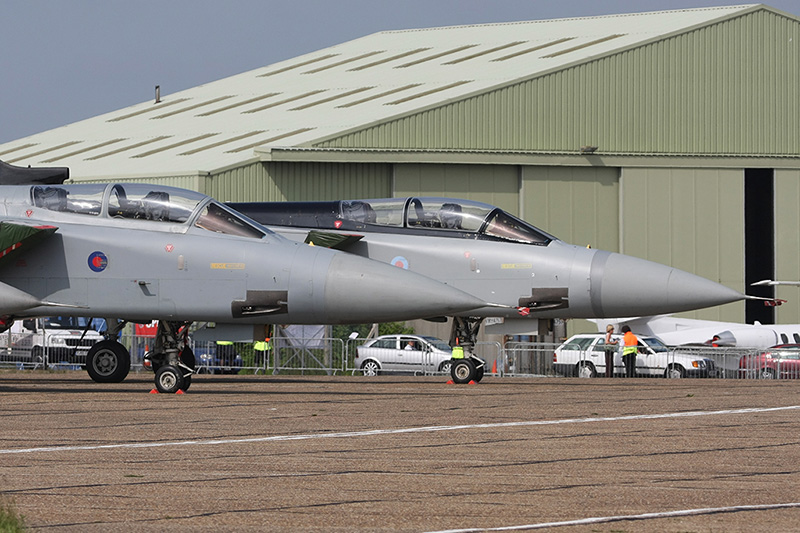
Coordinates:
(631, 343)
(611, 348)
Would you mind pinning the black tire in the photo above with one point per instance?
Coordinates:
(169, 379)
(37, 356)
(585, 369)
(370, 367)
(674, 372)
(445, 367)
(108, 362)
(463, 371)
(187, 358)
(766, 373)
(479, 372)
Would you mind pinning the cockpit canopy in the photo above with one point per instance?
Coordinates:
(419, 215)
(138, 201)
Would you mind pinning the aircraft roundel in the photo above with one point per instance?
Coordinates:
(400, 261)
(98, 261)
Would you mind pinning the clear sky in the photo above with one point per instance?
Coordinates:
(62, 61)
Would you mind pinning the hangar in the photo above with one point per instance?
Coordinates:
(672, 136)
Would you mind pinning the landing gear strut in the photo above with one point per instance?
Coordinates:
(466, 366)
(171, 358)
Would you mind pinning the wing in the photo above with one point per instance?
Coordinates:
(17, 237)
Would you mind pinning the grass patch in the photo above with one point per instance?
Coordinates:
(10, 519)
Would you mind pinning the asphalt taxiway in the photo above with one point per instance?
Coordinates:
(348, 453)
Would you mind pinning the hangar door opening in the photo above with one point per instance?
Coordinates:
(759, 241)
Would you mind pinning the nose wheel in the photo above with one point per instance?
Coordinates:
(467, 369)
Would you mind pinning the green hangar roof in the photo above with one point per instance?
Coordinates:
(710, 81)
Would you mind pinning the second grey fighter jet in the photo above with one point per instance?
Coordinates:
(494, 256)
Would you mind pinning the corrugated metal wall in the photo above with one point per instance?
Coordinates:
(273, 182)
(493, 184)
(728, 88)
(787, 243)
(690, 219)
(579, 205)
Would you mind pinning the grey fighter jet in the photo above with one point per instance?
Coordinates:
(494, 256)
(135, 252)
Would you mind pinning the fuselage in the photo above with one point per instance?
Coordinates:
(494, 256)
(142, 252)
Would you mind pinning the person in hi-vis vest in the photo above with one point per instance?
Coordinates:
(629, 351)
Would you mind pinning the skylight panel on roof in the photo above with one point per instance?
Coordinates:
(265, 141)
(534, 49)
(388, 59)
(84, 150)
(220, 143)
(284, 101)
(129, 147)
(379, 95)
(344, 62)
(175, 145)
(237, 104)
(159, 106)
(192, 107)
(484, 52)
(331, 98)
(45, 151)
(585, 45)
(430, 91)
(437, 56)
(297, 65)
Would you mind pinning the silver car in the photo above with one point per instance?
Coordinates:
(403, 353)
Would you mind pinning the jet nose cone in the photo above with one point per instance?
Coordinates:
(629, 286)
(363, 290)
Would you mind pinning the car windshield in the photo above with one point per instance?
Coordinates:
(655, 344)
(439, 344)
(67, 322)
(785, 354)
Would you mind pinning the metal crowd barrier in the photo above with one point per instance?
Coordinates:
(329, 356)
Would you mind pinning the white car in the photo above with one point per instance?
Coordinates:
(403, 353)
(584, 356)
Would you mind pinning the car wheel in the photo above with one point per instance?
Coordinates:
(370, 368)
(766, 373)
(585, 370)
(445, 367)
(674, 372)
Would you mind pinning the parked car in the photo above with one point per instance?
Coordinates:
(583, 355)
(778, 362)
(403, 353)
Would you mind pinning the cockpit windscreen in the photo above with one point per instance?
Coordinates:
(442, 214)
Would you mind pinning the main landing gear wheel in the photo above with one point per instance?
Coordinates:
(187, 359)
(108, 362)
(463, 371)
(169, 379)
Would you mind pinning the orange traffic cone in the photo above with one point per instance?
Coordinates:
(494, 367)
